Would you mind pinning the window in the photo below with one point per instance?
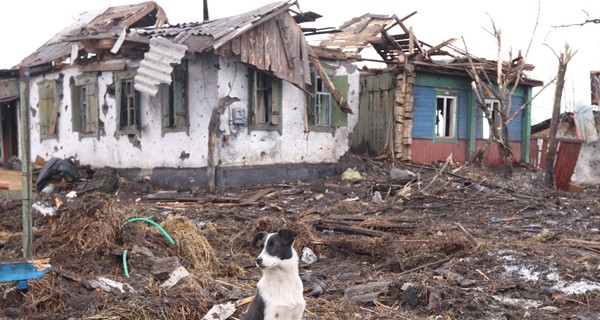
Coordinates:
(265, 101)
(174, 100)
(445, 115)
(128, 103)
(323, 112)
(320, 105)
(84, 101)
(48, 104)
(492, 105)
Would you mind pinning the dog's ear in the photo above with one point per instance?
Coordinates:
(287, 236)
(258, 238)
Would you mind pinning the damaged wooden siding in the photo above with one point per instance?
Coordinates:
(403, 113)
(278, 45)
(373, 133)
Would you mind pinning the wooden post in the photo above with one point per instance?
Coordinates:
(25, 162)
(213, 127)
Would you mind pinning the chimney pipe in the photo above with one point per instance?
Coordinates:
(205, 4)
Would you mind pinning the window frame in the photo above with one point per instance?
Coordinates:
(174, 101)
(489, 104)
(85, 107)
(453, 131)
(274, 116)
(48, 108)
(317, 90)
(120, 78)
(337, 118)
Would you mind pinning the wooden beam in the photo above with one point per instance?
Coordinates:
(337, 96)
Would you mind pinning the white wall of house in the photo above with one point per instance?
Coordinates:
(293, 145)
(211, 77)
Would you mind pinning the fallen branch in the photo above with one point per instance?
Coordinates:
(427, 265)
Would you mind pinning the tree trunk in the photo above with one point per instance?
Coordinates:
(505, 149)
(563, 60)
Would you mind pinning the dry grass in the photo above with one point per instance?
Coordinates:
(92, 228)
(191, 244)
(47, 294)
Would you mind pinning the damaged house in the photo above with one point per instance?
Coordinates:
(421, 107)
(232, 101)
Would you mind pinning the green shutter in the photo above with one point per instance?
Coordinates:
(179, 80)
(47, 97)
(164, 102)
(92, 99)
(75, 105)
(340, 118)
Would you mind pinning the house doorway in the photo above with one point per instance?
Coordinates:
(10, 131)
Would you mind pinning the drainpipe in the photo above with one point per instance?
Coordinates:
(25, 162)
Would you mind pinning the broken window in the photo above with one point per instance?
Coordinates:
(319, 104)
(48, 105)
(323, 112)
(493, 106)
(265, 101)
(445, 115)
(84, 102)
(174, 100)
(128, 103)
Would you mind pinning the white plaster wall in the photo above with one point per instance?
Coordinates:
(211, 78)
(293, 145)
(110, 149)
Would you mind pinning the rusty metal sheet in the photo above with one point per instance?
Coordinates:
(567, 153)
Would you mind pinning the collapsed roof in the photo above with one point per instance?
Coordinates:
(396, 44)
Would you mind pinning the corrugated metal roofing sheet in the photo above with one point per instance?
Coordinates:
(156, 67)
(214, 33)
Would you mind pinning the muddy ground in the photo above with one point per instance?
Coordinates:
(450, 241)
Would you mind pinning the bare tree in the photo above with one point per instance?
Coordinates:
(587, 20)
(563, 61)
(500, 86)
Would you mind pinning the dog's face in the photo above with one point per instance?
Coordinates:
(277, 248)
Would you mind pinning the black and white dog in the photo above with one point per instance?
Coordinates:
(279, 293)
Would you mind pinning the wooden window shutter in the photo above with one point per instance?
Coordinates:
(276, 101)
(179, 82)
(48, 107)
(75, 105)
(93, 105)
(340, 118)
(165, 98)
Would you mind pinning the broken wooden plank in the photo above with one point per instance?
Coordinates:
(337, 96)
(254, 197)
(451, 275)
(324, 187)
(469, 237)
(427, 265)
(348, 229)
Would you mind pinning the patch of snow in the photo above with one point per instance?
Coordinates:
(527, 303)
(579, 287)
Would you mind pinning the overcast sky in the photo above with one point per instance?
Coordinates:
(27, 24)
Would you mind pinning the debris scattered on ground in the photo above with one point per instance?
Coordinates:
(417, 241)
